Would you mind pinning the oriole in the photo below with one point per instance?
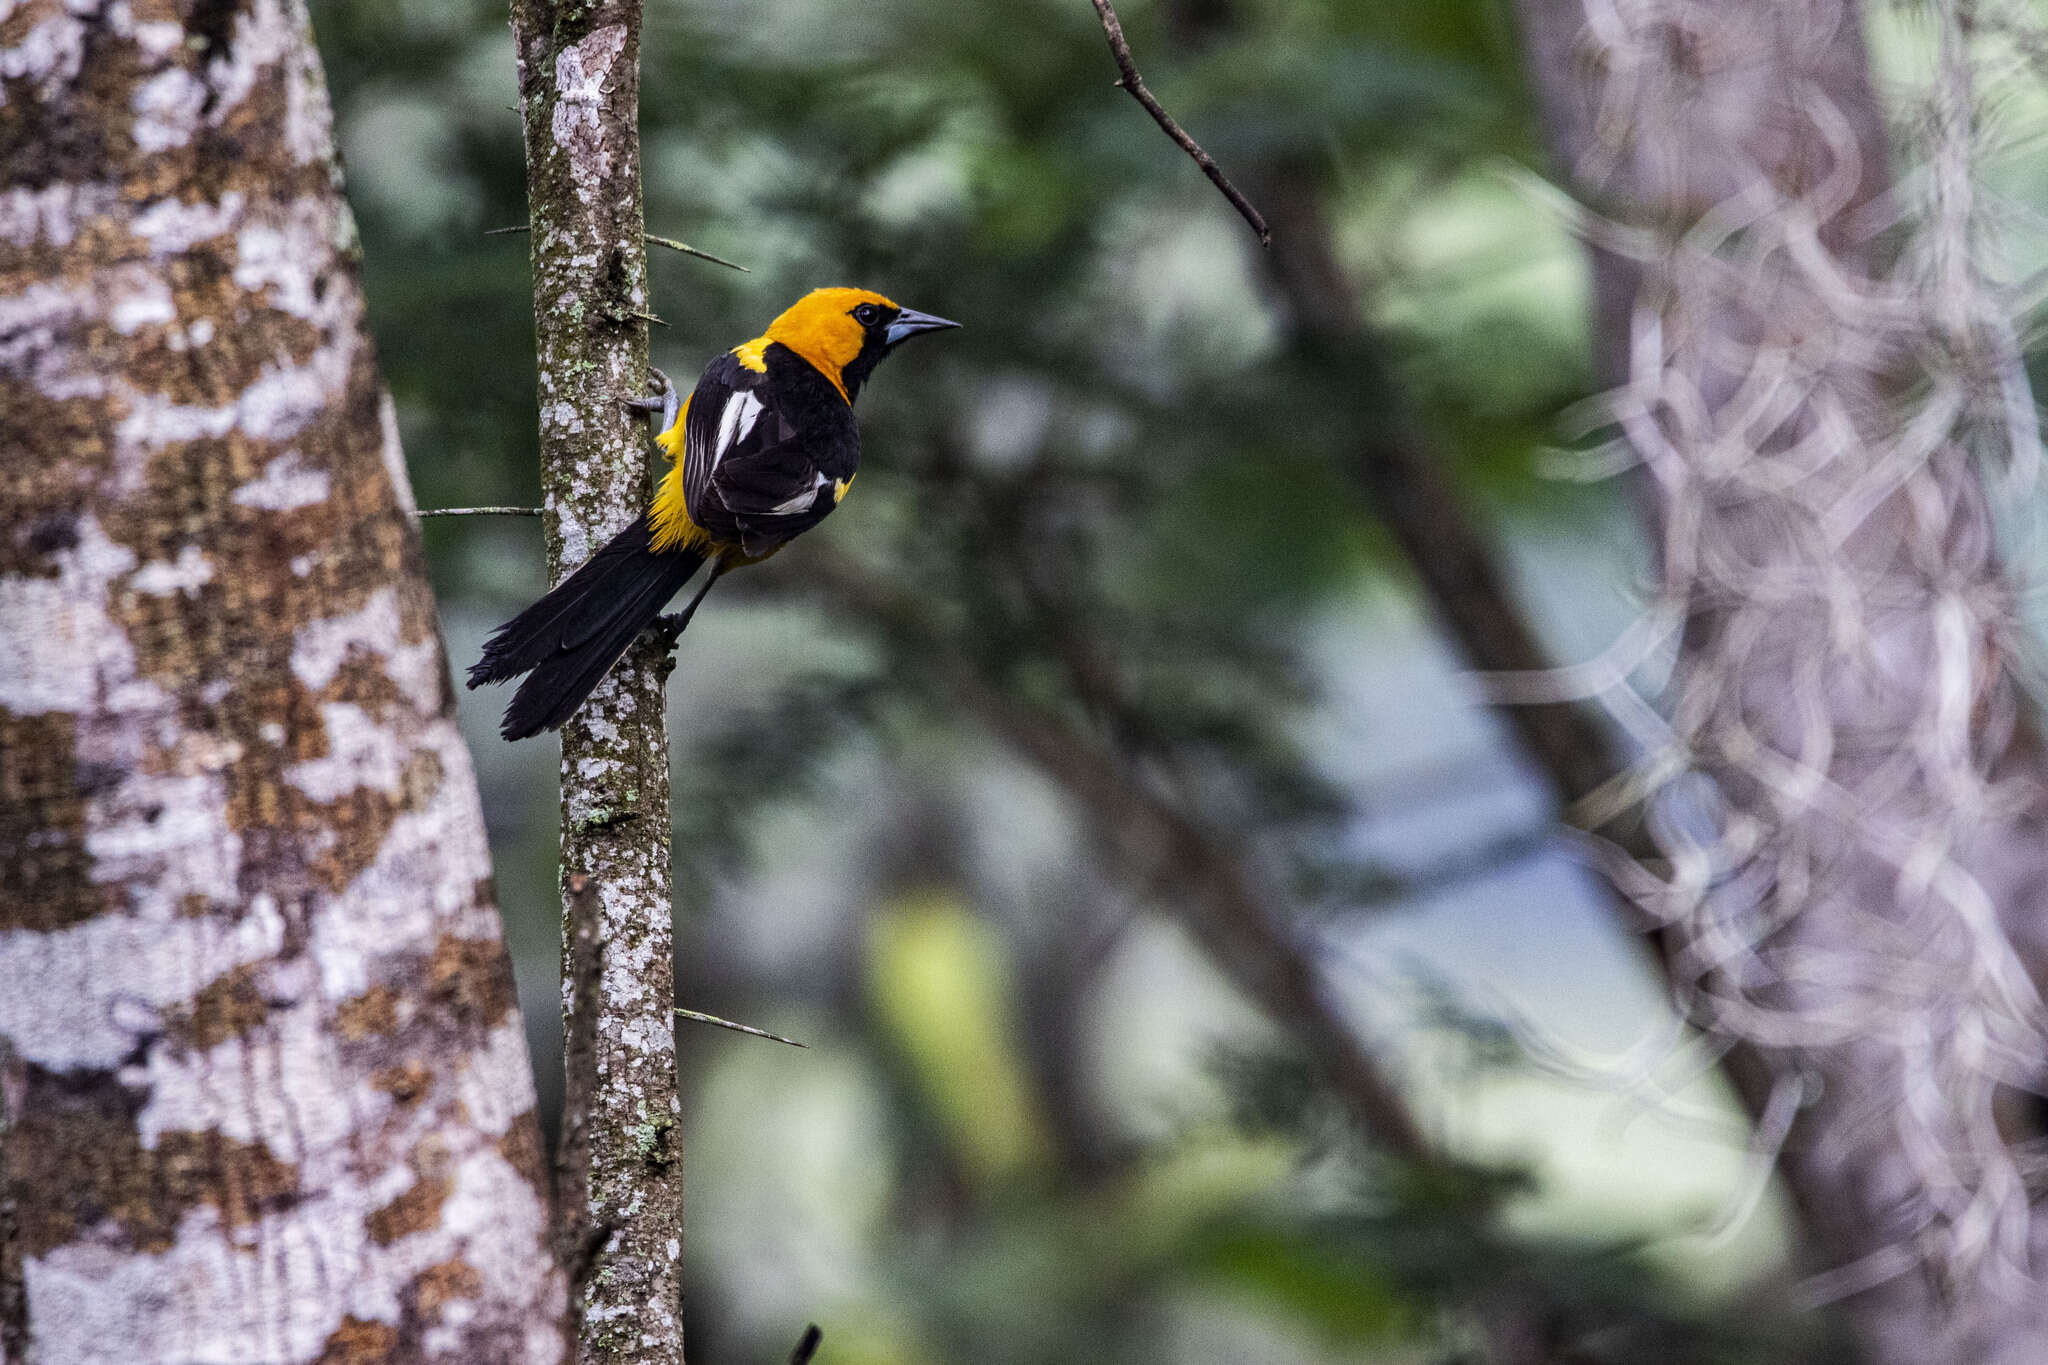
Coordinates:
(761, 451)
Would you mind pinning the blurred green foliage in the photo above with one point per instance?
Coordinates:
(1119, 467)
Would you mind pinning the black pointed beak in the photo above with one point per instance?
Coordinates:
(910, 322)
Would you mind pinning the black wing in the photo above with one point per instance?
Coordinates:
(749, 476)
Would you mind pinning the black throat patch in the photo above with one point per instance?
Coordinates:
(861, 366)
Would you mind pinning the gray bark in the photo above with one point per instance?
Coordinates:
(1857, 884)
(620, 1177)
(265, 1085)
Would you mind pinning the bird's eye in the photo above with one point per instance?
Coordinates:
(866, 314)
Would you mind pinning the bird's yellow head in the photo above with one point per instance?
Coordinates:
(844, 333)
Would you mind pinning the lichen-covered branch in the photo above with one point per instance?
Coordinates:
(266, 1088)
(579, 88)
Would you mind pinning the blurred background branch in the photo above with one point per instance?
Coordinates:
(1169, 857)
(1129, 80)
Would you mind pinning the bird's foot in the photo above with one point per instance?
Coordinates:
(663, 399)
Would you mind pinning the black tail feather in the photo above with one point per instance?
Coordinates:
(558, 685)
(570, 638)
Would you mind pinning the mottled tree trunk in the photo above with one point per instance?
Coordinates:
(266, 1090)
(620, 1185)
(1856, 886)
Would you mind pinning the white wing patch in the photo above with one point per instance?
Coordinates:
(802, 502)
(742, 410)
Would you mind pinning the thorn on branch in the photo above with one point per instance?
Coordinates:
(671, 243)
(1130, 80)
(713, 1019)
(807, 1347)
(476, 511)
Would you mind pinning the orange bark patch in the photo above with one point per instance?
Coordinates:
(55, 490)
(357, 1342)
(452, 1279)
(472, 979)
(361, 818)
(45, 872)
(362, 681)
(241, 1179)
(521, 1148)
(373, 1013)
(417, 1210)
(226, 1007)
(76, 1163)
(405, 1083)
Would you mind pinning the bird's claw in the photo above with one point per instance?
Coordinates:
(663, 400)
(663, 389)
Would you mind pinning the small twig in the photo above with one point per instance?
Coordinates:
(702, 1018)
(671, 243)
(477, 512)
(1130, 80)
(647, 317)
(807, 1347)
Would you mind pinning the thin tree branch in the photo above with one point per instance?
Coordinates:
(697, 1016)
(1131, 81)
(477, 512)
(1215, 897)
(671, 243)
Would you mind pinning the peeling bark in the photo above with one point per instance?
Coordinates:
(266, 1088)
(620, 1187)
